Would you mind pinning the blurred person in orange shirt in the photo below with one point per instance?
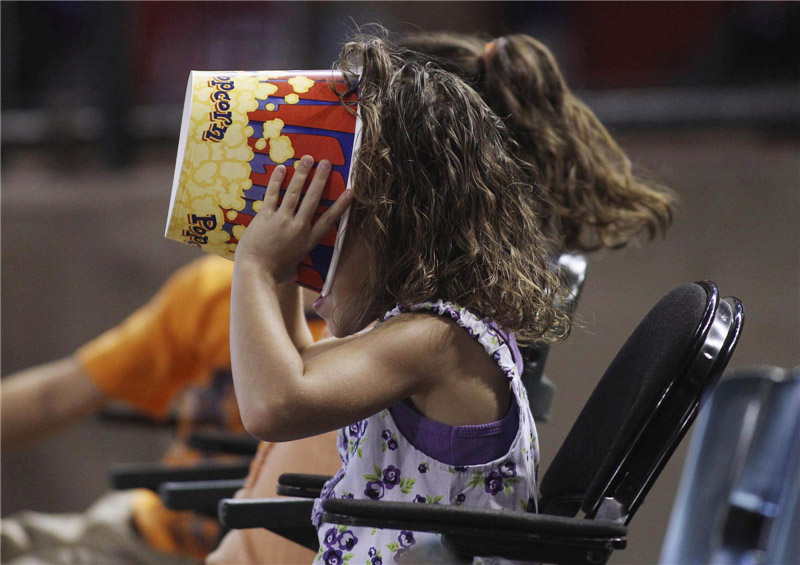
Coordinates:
(171, 355)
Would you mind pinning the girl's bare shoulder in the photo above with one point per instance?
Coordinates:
(457, 381)
(434, 345)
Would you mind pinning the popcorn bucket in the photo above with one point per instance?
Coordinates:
(237, 127)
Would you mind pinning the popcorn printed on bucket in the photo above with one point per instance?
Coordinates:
(280, 146)
(238, 127)
(223, 168)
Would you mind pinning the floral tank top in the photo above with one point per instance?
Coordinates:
(400, 455)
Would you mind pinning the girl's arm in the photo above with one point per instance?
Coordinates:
(291, 300)
(290, 297)
(281, 396)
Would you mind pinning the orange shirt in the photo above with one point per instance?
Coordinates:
(179, 337)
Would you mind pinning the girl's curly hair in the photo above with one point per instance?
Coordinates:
(445, 210)
(596, 200)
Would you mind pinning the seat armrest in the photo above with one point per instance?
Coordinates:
(478, 532)
(116, 413)
(220, 441)
(288, 517)
(200, 496)
(152, 475)
(301, 485)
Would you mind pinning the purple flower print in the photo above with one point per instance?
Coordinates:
(461, 498)
(332, 557)
(406, 538)
(374, 490)
(391, 477)
(493, 483)
(348, 495)
(392, 444)
(331, 537)
(419, 498)
(508, 469)
(376, 561)
(460, 468)
(423, 468)
(358, 428)
(347, 541)
(372, 552)
(386, 434)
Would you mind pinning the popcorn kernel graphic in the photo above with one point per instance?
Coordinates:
(280, 149)
(235, 135)
(232, 201)
(300, 84)
(261, 144)
(204, 175)
(231, 170)
(242, 153)
(205, 206)
(217, 151)
(291, 98)
(217, 238)
(272, 128)
(245, 102)
(265, 90)
(200, 153)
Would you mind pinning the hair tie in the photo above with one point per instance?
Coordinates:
(488, 51)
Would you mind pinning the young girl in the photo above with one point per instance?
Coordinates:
(444, 237)
(596, 199)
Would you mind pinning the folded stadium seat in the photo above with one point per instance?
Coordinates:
(739, 497)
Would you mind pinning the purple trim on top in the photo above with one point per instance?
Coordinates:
(511, 342)
(457, 445)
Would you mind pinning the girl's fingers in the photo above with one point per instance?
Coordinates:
(274, 187)
(295, 188)
(331, 216)
(312, 196)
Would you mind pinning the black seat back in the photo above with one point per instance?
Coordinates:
(643, 405)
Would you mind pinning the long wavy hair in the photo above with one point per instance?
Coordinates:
(595, 198)
(444, 208)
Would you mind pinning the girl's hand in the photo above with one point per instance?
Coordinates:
(279, 237)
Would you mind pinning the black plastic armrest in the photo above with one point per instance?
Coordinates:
(300, 485)
(116, 413)
(199, 496)
(288, 517)
(152, 475)
(498, 533)
(220, 441)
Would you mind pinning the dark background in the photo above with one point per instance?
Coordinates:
(703, 96)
